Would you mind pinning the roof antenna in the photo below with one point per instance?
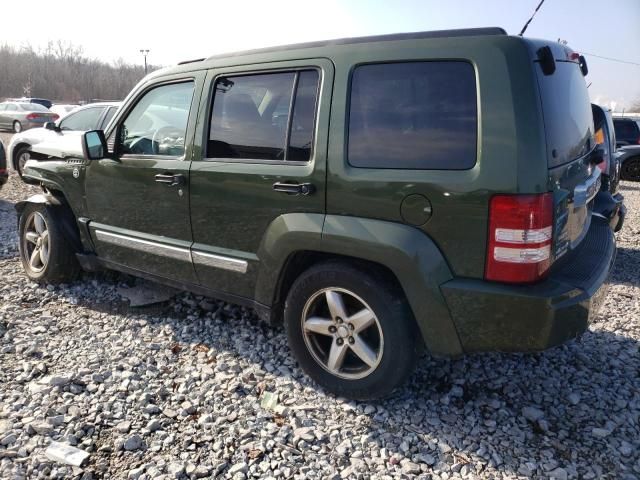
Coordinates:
(529, 21)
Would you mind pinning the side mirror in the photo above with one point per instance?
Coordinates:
(50, 126)
(94, 145)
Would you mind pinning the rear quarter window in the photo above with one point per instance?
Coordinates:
(413, 115)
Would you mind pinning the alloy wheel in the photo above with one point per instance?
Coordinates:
(35, 242)
(342, 333)
(22, 160)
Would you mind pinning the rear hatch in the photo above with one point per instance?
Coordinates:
(568, 123)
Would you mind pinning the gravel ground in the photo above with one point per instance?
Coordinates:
(178, 391)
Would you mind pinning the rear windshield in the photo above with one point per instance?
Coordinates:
(33, 107)
(566, 109)
(626, 129)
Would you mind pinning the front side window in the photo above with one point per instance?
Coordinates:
(83, 120)
(157, 125)
(251, 116)
(415, 115)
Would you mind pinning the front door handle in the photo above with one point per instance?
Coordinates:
(170, 179)
(294, 188)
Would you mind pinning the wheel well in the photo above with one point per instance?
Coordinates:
(68, 219)
(16, 151)
(301, 261)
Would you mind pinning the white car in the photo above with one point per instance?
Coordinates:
(95, 116)
(62, 109)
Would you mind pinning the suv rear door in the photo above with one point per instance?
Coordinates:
(263, 142)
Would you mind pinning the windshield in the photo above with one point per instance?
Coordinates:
(566, 109)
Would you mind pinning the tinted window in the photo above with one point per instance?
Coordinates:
(157, 125)
(303, 119)
(418, 115)
(83, 120)
(626, 130)
(566, 108)
(250, 117)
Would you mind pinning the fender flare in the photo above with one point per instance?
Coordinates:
(409, 253)
(39, 198)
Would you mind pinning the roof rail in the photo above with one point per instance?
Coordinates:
(463, 32)
(192, 61)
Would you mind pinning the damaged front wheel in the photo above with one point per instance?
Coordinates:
(45, 254)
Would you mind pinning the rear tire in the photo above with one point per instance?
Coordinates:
(366, 354)
(17, 127)
(631, 170)
(46, 255)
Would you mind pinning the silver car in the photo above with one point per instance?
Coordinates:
(94, 116)
(19, 116)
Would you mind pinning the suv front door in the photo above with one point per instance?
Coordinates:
(138, 199)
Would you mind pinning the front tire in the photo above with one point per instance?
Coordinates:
(631, 169)
(45, 253)
(17, 127)
(351, 332)
(21, 156)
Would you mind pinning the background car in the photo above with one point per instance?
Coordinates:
(19, 116)
(627, 131)
(608, 203)
(40, 101)
(629, 158)
(63, 109)
(94, 116)
(4, 174)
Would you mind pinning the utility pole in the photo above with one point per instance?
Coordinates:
(145, 52)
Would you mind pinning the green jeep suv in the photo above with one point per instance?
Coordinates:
(380, 195)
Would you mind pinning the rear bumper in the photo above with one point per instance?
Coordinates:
(497, 317)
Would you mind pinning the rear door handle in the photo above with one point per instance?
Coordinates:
(170, 179)
(294, 188)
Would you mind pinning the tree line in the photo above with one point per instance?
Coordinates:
(61, 72)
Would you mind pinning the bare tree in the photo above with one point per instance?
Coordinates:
(60, 71)
(635, 106)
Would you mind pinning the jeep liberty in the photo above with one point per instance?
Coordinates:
(380, 195)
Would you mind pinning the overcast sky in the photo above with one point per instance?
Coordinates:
(180, 30)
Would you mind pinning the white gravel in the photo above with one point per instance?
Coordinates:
(175, 391)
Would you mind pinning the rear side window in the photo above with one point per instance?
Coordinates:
(417, 115)
(264, 117)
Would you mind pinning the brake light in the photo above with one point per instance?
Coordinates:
(520, 237)
(33, 116)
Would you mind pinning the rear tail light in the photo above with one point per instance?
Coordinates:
(520, 237)
(33, 116)
(55, 117)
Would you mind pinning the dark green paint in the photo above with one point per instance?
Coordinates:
(229, 208)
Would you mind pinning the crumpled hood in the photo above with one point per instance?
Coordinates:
(61, 146)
